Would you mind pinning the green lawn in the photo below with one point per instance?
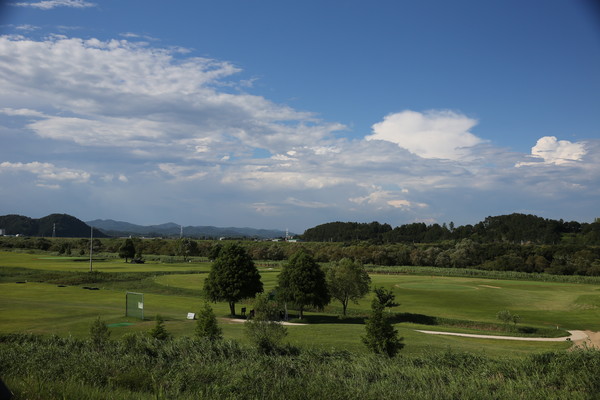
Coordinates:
(47, 308)
(81, 264)
(570, 306)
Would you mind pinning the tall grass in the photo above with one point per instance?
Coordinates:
(139, 367)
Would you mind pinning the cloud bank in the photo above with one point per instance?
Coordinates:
(154, 134)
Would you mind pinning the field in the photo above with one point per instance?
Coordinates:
(56, 300)
(172, 290)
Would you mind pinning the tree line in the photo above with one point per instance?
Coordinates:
(513, 228)
(565, 258)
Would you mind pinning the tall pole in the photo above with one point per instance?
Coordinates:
(91, 245)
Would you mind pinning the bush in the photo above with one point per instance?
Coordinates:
(159, 332)
(99, 333)
(265, 333)
(207, 325)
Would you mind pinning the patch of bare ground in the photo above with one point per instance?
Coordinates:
(592, 340)
(492, 287)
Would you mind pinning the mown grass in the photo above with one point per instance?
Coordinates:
(172, 290)
(44, 262)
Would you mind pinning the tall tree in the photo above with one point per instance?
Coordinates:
(302, 282)
(347, 281)
(127, 249)
(233, 277)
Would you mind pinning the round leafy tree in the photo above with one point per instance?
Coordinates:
(302, 282)
(347, 281)
(233, 277)
(127, 249)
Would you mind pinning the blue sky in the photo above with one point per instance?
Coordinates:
(275, 114)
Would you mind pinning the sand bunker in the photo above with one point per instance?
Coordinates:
(592, 340)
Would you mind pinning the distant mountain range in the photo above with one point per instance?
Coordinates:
(64, 225)
(170, 229)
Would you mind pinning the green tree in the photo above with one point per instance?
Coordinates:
(263, 330)
(159, 331)
(233, 277)
(303, 283)
(207, 325)
(507, 317)
(186, 248)
(99, 333)
(127, 249)
(381, 337)
(385, 297)
(347, 281)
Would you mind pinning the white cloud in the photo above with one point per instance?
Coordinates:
(149, 100)
(27, 28)
(46, 171)
(385, 199)
(21, 112)
(49, 4)
(434, 134)
(558, 152)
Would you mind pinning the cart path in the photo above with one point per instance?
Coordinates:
(576, 336)
(241, 321)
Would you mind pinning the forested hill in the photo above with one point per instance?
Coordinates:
(513, 228)
(62, 225)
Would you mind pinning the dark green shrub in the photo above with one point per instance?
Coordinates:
(159, 332)
(99, 333)
(207, 325)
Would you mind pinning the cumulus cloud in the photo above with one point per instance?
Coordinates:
(433, 134)
(49, 4)
(550, 150)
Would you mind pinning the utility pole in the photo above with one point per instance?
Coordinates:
(91, 245)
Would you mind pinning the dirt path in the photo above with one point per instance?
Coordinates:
(576, 336)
